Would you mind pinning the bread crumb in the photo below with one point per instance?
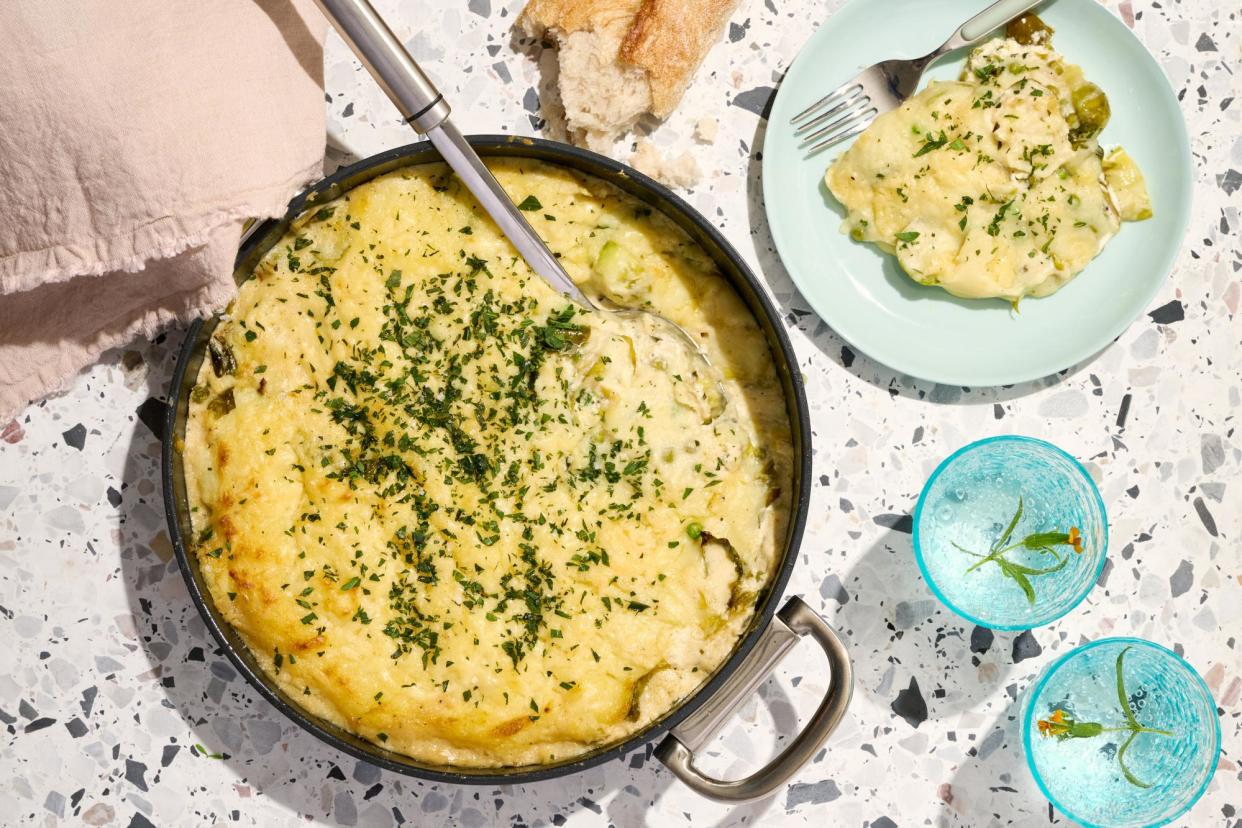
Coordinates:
(705, 130)
(681, 171)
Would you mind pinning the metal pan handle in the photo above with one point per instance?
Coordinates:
(794, 620)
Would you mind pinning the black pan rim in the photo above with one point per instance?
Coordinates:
(609, 170)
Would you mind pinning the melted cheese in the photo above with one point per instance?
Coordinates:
(462, 519)
(991, 186)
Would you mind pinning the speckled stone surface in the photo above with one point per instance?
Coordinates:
(117, 709)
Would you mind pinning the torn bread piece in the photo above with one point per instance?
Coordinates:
(620, 59)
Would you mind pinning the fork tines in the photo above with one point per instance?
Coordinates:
(841, 114)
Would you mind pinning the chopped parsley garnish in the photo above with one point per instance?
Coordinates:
(994, 225)
(933, 143)
(986, 72)
(435, 425)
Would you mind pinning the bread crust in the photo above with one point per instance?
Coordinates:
(569, 16)
(668, 39)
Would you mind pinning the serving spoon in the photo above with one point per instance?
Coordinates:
(426, 110)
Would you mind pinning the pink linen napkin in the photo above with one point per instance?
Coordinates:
(135, 138)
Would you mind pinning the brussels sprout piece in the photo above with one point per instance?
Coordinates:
(624, 276)
(636, 691)
(222, 359)
(1091, 112)
(1029, 30)
(222, 404)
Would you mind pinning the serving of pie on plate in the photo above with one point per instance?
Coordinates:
(866, 295)
(464, 519)
(993, 186)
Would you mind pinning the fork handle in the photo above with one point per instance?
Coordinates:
(984, 23)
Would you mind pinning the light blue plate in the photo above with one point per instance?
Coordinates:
(923, 331)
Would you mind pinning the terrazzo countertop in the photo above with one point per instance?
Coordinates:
(118, 710)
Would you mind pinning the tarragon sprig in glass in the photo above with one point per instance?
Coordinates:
(1042, 542)
(1061, 725)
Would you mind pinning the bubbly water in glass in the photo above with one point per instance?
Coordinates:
(1082, 776)
(970, 501)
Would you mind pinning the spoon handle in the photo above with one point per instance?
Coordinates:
(456, 150)
(394, 69)
(425, 109)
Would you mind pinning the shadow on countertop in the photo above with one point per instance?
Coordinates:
(924, 663)
(993, 780)
(921, 661)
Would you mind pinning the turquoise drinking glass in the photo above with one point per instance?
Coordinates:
(1138, 754)
(1049, 559)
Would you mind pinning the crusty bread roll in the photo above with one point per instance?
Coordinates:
(622, 58)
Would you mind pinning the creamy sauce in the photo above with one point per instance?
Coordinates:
(992, 186)
(456, 515)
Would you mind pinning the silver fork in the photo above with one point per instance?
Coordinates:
(851, 107)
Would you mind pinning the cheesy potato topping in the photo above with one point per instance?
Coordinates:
(455, 514)
(992, 186)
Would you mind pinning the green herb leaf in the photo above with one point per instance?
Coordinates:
(961, 548)
(351, 583)
(987, 71)
(1121, 751)
(530, 203)
(1084, 730)
(1123, 698)
(907, 236)
(1041, 540)
(994, 225)
(932, 144)
(1013, 524)
(1019, 578)
(1026, 570)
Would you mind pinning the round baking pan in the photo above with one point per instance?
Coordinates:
(692, 723)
